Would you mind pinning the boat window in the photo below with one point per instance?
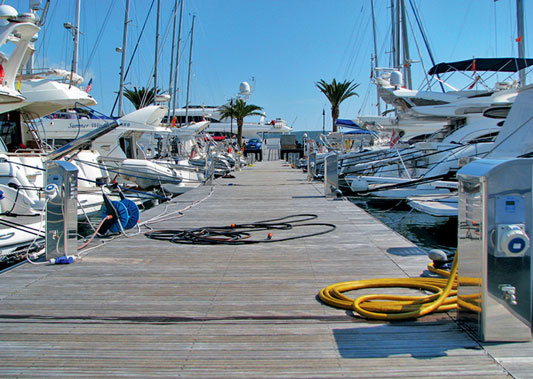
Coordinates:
(423, 102)
(3, 147)
(127, 147)
(10, 131)
(419, 138)
(489, 137)
(484, 94)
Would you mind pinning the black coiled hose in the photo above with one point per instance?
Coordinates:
(241, 234)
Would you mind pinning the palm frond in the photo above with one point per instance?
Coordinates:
(336, 93)
(140, 97)
(239, 110)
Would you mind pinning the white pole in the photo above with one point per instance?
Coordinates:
(123, 64)
(521, 38)
(189, 78)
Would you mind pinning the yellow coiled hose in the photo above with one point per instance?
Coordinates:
(398, 307)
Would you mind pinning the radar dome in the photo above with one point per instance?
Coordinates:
(244, 88)
(7, 12)
(396, 78)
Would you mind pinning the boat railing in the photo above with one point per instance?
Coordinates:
(27, 152)
(59, 75)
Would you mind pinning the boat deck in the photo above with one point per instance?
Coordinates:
(444, 205)
(141, 307)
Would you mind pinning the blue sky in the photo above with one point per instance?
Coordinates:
(285, 45)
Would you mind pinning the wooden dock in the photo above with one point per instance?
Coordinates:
(141, 307)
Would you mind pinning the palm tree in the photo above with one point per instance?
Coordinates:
(337, 92)
(140, 97)
(239, 110)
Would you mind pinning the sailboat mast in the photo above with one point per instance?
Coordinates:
(172, 71)
(394, 47)
(189, 78)
(76, 37)
(375, 52)
(397, 50)
(405, 43)
(156, 63)
(75, 31)
(176, 91)
(123, 64)
(521, 38)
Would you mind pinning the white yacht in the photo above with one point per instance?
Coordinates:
(22, 153)
(461, 113)
(131, 152)
(20, 30)
(219, 127)
(515, 140)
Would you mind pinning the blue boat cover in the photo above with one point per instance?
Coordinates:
(356, 129)
(346, 123)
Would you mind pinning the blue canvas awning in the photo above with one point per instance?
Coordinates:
(347, 123)
(355, 129)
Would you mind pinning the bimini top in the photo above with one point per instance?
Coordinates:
(483, 64)
(346, 123)
(354, 128)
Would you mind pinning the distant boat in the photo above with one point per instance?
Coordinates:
(225, 127)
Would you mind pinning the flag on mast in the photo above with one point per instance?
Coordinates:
(89, 86)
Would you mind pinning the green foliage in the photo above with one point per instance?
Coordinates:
(336, 93)
(238, 110)
(140, 97)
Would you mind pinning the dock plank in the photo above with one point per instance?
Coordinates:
(141, 307)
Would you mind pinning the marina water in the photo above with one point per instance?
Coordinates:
(426, 231)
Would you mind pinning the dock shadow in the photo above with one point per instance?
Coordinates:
(309, 197)
(406, 251)
(421, 340)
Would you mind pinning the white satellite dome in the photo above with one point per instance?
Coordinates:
(244, 88)
(7, 12)
(396, 78)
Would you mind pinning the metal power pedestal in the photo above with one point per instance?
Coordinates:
(61, 209)
(331, 176)
(495, 222)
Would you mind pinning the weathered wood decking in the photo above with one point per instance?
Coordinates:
(140, 307)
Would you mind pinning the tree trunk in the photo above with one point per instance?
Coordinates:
(240, 122)
(334, 117)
